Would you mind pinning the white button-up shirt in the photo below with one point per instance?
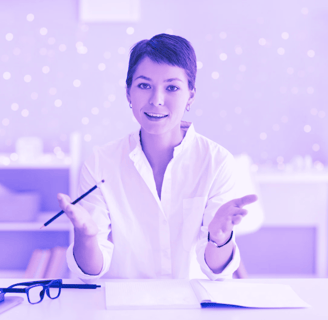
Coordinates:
(142, 236)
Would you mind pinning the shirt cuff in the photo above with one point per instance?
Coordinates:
(75, 269)
(229, 269)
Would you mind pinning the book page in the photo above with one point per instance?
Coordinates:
(200, 292)
(150, 294)
(254, 295)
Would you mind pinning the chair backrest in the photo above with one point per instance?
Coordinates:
(245, 185)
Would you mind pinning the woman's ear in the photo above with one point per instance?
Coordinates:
(192, 96)
(127, 92)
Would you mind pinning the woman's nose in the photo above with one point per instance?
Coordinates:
(157, 98)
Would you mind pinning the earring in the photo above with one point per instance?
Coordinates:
(188, 107)
(130, 105)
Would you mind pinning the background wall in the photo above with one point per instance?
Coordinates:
(260, 84)
(260, 90)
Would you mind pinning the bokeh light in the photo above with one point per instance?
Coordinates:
(77, 83)
(101, 66)
(25, 113)
(263, 136)
(223, 56)
(14, 106)
(262, 42)
(85, 120)
(95, 110)
(130, 30)
(87, 137)
(62, 47)
(311, 53)
(238, 50)
(27, 78)
(121, 50)
(242, 68)
(34, 95)
(310, 90)
(45, 69)
(5, 122)
(51, 41)
(9, 36)
(215, 75)
(30, 17)
(285, 35)
(43, 31)
(307, 128)
(6, 75)
(316, 147)
(52, 91)
(281, 51)
(199, 65)
(107, 55)
(58, 103)
(222, 35)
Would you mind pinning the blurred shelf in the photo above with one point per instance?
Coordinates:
(33, 226)
(60, 224)
(12, 274)
(278, 176)
(47, 161)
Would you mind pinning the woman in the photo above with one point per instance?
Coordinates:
(167, 189)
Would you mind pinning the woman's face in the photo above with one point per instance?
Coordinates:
(159, 95)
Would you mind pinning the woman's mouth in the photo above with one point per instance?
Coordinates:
(155, 116)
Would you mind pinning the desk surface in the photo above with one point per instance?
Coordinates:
(90, 304)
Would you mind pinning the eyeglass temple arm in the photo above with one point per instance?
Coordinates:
(17, 290)
(54, 285)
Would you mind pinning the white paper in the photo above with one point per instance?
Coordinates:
(150, 294)
(254, 295)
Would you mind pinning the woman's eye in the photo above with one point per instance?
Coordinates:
(172, 88)
(143, 86)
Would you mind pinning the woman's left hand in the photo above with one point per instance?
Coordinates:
(228, 215)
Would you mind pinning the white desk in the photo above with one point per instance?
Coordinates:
(90, 304)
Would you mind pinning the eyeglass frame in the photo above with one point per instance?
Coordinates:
(46, 284)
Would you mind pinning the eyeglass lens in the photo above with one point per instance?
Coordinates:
(53, 292)
(36, 294)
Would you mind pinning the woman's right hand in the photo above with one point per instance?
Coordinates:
(81, 219)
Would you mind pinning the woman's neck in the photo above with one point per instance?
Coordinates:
(159, 148)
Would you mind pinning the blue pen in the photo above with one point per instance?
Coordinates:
(74, 202)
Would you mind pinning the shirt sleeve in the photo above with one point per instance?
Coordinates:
(221, 192)
(95, 204)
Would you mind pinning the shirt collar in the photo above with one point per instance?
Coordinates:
(136, 149)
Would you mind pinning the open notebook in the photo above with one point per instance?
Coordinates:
(182, 294)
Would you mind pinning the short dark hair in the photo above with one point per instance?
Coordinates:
(164, 48)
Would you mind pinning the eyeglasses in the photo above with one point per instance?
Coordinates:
(35, 290)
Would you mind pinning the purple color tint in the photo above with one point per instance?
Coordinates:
(280, 251)
(261, 89)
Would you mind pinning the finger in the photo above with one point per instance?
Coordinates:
(63, 200)
(236, 219)
(243, 201)
(241, 212)
(63, 197)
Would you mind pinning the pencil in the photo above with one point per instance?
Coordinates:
(74, 202)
